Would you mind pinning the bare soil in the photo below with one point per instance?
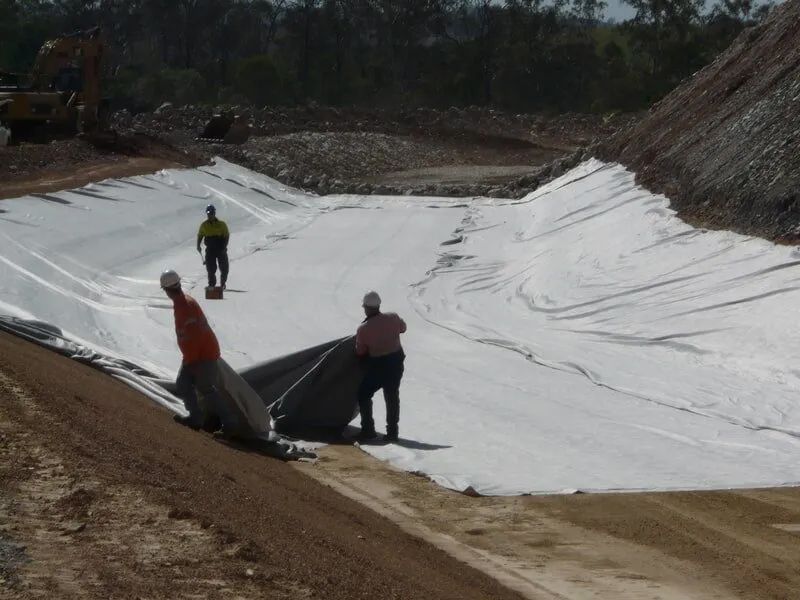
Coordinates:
(699, 545)
(54, 180)
(453, 175)
(103, 496)
(331, 150)
(74, 162)
(111, 499)
(326, 150)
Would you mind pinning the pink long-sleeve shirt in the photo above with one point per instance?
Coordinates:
(380, 335)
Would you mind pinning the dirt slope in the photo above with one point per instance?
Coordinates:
(103, 496)
(725, 545)
(74, 162)
(725, 145)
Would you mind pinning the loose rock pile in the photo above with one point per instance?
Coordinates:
(343, 163)
(189, 120)
(329, 150)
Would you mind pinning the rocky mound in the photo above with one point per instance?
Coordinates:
(348, 150)
(472, 124)
(356, 162)
(725, 145)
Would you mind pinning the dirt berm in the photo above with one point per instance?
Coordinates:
(725, 145)
(102, 495)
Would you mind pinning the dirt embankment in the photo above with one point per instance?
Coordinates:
(104, 496)
(725, 145)
(68, 163)
(722, 545)
(457, 152)
(473, 124)
(330, 150)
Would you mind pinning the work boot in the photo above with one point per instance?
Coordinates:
(229, 435)
(186, 422)
(390, 437)
(212, 423)
(366, 435)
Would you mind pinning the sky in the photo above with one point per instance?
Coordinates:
(618, 11)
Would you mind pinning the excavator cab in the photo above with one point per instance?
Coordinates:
(61, 92)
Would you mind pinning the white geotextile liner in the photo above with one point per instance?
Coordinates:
(584, 338)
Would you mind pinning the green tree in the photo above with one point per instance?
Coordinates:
(179, 86)
(261, 81)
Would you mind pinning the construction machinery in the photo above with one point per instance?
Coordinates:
(226, 128)
(62, 92)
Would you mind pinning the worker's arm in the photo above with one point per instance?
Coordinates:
(401, 325)
(226, 235)
(200, 236)
(362, 349)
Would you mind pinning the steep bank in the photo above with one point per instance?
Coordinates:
(725, 145)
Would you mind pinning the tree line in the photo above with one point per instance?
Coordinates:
(520, 55)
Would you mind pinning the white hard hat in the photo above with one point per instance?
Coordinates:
(170, 279)
(371, 300)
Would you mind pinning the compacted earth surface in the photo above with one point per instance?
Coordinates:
(104, 496)
(63, 163)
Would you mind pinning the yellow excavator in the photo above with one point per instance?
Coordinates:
(61, 93)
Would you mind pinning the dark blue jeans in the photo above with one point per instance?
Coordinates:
(214, 258)
(384, 372)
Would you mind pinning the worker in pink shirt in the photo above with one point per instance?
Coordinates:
(378, 343)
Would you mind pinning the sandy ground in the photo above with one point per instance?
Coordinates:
(459, 174)
(75, 177)
(30, 168)
(717, 545)
(104, 496)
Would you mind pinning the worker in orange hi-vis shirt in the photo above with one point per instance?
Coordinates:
(199, 371)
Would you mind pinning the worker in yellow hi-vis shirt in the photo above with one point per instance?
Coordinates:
(216, 235)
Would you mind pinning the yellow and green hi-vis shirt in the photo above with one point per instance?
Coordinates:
(215, 233)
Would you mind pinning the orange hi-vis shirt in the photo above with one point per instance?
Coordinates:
(380, 335)
(195, 338)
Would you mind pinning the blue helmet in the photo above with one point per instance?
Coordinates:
(211, 210)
